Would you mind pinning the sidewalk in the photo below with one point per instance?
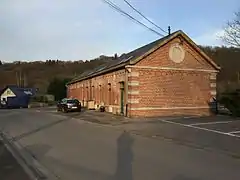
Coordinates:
(9, 167)
(111, 119)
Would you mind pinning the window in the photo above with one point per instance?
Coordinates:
(82, 92)
(87, 95)
(93, 93)
(72, 101)
(100, 93)
(109, 93)
(8, 92)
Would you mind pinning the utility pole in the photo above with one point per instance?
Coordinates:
(17, 78)
(25, 82)
(20, 78)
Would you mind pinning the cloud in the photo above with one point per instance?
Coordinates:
(77, 31)
(212, 38)
(74, 29)
(81, 29)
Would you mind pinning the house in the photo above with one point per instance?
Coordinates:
(170, 76)
(15, 97)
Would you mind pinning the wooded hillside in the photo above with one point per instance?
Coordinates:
(229, 60)
(39, 73)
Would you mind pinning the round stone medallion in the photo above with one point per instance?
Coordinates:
(176, 53)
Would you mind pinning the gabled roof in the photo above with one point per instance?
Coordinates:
(122, 61)
(19, 91)
(138, 54)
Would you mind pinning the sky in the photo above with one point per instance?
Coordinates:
(33, 30)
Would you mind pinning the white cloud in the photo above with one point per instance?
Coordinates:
(66, 29)
(211, 38)
(76, 29)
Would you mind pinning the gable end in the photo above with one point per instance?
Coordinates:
(179, 34)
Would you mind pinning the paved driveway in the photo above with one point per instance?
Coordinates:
(218, 133)
(65, 146)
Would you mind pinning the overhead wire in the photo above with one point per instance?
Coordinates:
(141, 14)
(117, 8)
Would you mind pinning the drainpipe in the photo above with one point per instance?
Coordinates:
(126, 110)
(126, 80)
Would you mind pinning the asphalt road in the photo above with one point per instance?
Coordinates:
(67, 147)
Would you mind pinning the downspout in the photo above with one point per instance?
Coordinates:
(126, 80)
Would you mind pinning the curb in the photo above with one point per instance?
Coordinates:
(30, 164)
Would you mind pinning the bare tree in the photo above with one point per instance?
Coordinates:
(232, 31)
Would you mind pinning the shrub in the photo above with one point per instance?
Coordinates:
(232, 102)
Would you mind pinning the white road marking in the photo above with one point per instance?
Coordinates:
(216, 122)
(201, 128)
(234, 132)
(234, 135)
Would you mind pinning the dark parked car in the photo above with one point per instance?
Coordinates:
(67, 105)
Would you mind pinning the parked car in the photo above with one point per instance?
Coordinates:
(68, 105)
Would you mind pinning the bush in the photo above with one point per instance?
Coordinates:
(57, 88)
(52, 103)
(232, 102)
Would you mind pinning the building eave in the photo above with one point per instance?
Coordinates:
(120, 66)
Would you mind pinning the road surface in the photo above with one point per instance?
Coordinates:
(64, 147)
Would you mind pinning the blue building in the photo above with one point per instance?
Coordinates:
(16, 97)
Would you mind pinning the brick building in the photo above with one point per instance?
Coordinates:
(170, 76)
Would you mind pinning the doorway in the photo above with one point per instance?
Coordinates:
(122, 98)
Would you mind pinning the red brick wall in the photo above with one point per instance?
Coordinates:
(161, 90)
(103, 89)
(173, 88)
(161, 57)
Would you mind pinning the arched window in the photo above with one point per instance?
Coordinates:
(109, 94)
(100, 93)
(93, 93)
(87, 95)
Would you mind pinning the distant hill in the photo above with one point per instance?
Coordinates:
(39, 73)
